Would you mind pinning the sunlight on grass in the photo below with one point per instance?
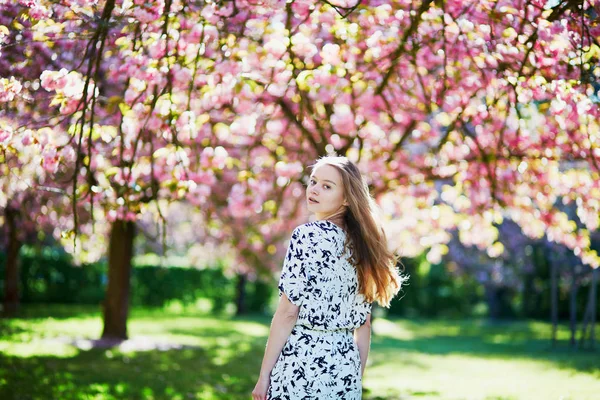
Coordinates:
(26, 329)
(477, 360)
(37, 348)
(389, 329)
(472, 377)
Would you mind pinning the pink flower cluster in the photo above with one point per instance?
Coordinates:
(69, 88)
(147, 12)
(9, 88)
(288, 170)
(121, 214)
(5, 135)
(37, 11)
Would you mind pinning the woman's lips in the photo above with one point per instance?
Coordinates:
(311, 200)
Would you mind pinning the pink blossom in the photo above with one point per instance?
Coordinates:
(220, 157)
(182, 76)
(206, 157)
(37, 11)
(5, 135)
(154, 123)
(302, 45)
(204, 177)
(211, 34)
(275, 126)
(288, 170)
(50, 79)
(302, 7)
(112, 215)
(130, 216)
(69, 106)
(209, 14)
(81, 3)
(327, 18)
(198, 195)
(68, 155)
(237, 205)
(9, 88)
(342, 119)
(26, 139)
(276, 46)
(245, 125)
(196, 32)
(331, 54)
(50, 159)
(148, 12)
(157, 50)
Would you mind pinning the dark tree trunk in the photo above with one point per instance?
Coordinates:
(595, 273)
(573, 307)
(11, 277)
(554, 300)
(587, 316)
(116, 302)
(528, 294)
(493, 301)
(240, 300)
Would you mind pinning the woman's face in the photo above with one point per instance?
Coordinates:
(325, 193)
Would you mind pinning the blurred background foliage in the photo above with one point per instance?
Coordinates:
(48, 275)
(450, 289)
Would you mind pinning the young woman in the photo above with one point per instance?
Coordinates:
(334, 269)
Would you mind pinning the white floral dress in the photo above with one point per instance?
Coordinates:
(320, 359)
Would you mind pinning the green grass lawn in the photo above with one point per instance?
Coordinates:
(48, 353)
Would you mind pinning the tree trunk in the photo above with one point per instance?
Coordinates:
(11, 278)
(554, 301)
(573, 308)
(595, 273)
(528, 292)
(240, 300)
(116, 302)
(493, 301)
(587, 316)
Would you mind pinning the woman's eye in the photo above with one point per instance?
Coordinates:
(312, 182)
(326, 186)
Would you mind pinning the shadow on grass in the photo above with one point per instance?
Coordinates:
(7, 330)
(69, 311)
(56, 311)
(221, 372)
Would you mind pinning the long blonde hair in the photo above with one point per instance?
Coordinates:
(378, 277)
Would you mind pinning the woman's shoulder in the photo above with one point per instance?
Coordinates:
(316, 228)
(317, 236)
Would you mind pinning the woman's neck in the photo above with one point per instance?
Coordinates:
(336, 218)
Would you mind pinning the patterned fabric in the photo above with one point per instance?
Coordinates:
(320, 359)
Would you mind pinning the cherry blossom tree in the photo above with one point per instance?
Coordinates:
(462, 113)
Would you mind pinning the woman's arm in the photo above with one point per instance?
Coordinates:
(281, 326)
(362, 336)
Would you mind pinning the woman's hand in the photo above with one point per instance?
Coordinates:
(260, 390)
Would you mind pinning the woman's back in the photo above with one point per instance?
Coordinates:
(319, 277)
(320, 359)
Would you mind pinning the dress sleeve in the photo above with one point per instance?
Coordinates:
(362, 309)
(295, 267)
